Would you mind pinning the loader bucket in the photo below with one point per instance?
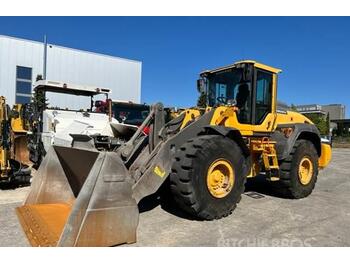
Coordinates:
(21, 153)
(80, 197)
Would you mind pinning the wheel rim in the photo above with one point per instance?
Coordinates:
(220, 178)
(306, 170)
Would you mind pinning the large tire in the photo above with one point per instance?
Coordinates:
(188, 179)
(290, 184)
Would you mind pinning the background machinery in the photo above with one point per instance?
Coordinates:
(14, 160)
(204, 154)
(130, 113)
(51, 122)
(130, 116)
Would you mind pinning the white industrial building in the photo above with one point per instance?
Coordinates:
(22, 60)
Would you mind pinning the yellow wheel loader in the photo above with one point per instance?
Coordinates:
(14, 158)
(83, 197)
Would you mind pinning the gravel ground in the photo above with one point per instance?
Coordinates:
(261, 219)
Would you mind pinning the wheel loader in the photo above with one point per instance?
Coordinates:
(203, 156)
(14, 160)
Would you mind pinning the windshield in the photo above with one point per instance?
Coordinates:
(71, 102)
(223, 86)
(228, 87)
(130, 114)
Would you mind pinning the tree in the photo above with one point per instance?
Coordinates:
(328, 123)
(202, 100)
(320, 122)
(39, 77)
(293, 108)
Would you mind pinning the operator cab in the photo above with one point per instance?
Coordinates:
(130, 113)
(247, 85)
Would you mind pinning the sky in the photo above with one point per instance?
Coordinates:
(313, 52)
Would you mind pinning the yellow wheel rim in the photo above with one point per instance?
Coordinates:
(306, 171)
(220, 178)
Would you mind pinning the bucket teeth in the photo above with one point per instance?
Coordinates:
(43, 223)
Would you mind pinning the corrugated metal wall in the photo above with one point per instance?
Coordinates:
(15, 52)
(122, 76)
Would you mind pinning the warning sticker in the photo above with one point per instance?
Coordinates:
(158, 171)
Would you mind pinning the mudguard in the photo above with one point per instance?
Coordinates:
(300, 131)
(229, 132)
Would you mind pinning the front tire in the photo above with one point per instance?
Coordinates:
(298, 173)
(208, 176)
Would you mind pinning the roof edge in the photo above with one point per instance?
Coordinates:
(256, 64)
(70, 48)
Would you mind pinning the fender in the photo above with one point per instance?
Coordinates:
(300, 131)
(229, 132)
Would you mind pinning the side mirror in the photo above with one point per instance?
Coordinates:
(201, 86)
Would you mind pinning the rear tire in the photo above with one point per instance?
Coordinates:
(189, 177)
(291, 185)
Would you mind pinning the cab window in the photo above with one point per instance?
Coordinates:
(263, 96)
(222, 86)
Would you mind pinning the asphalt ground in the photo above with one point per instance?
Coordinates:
(261, 218)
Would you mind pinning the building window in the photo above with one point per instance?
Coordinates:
(23, 84)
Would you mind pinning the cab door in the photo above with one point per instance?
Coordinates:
(264, 102)
(261, 106)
